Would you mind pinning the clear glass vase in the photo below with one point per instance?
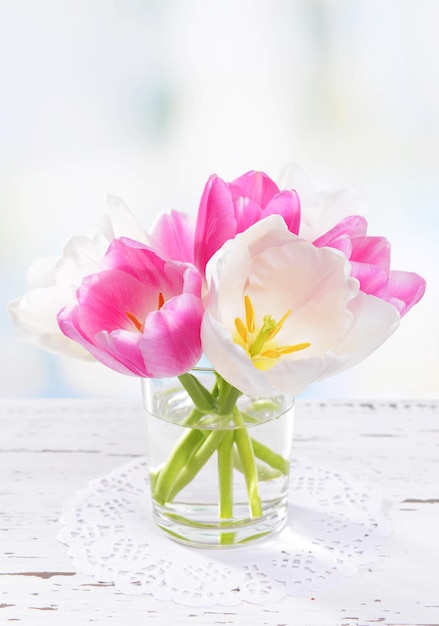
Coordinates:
(218, 474)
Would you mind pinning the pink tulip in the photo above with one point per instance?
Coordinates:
(370, 264)
(334, 219)
(227, 209)
(139, 314)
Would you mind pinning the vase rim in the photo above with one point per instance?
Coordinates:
(203, 368)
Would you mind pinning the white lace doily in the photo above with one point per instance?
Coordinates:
(334, 527)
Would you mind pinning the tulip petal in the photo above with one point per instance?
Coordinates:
(216, 221)
(247, 213)
(173, 331)
(123, 222)
(341, 234)
(322, 211)
(293, 177)
(287, 204)
(70, 324)
(373, 321)
(81, 256)
(403, 290)
(42, 272)
(254, 185)
(172, 236)
(34, 317)
(141, 262)
(370, 277)
(106, 298)
(373, 250)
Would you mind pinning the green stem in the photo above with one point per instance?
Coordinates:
(188, 444)
(196, 446)
(225, 483)
(201, 397)
(220, 402)
(228, 396)
(265, 472)
(196, 461)
(225, 476)
(245, 450)
(266, 454)
(181, 455)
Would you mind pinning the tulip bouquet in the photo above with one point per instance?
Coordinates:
(275, 288)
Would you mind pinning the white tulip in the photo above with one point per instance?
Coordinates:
(282, 313)
(53, 281)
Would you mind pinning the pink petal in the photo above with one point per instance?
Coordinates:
(124, 347)
(403, 290)
(353, 226)
(69, 324)
(247, 213)
(172, 236)
(140, 262)
(373, 250)
(106, 298)
(371, 277)
(286, 204)
(171, 343)
(254, 185)
(215, 222)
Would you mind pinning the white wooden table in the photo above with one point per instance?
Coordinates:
(50, 448)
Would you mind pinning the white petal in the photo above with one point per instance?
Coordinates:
(123, 221)
(34, 316)
(374, 320)
(41, 273)
(293, 177)
(323, 210)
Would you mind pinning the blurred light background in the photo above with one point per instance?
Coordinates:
(144, 99)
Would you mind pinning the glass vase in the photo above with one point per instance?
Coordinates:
(218, 474)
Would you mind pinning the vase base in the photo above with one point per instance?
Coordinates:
(198, 526)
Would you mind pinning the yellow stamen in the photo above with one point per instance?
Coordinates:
(249, 314)
(295, 348)
(275, 353)
(279, 325)
(259, 343)
(242, 331)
